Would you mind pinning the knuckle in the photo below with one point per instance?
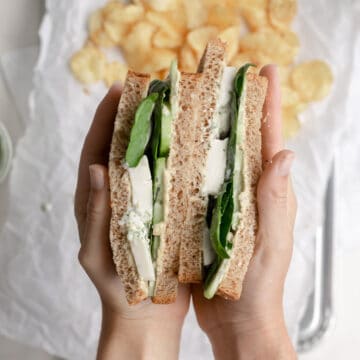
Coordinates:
(79, 213)
(94, 211)
(275, 195)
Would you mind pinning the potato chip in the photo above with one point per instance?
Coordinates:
(223, 16)
(112, 7)
(129, 14)
(187, 59)
(163, 39)
(163, 74)
(290, 122)
(196, 13)
(261, 59)
(160, 59)
(88, 65)
(284, 74)
(289, 97)
(155, 75)
(137, 46)
(95, 21)
(162, 5)
(164, 22)
(115, 71)
(312, 80)
(119, 21)
(281, 12)
(198, 38)
(254, 13)
(280, 47)
(240, 59)
(140, 38)
(231, 37)
(116, 31)
(102, 39)
(290, 38)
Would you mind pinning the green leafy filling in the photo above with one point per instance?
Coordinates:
(141, 131)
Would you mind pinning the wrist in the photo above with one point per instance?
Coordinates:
(258, 339)
(133, 338)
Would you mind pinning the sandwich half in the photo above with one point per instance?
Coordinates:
(221, 222)
(148, 168)
(184, 164)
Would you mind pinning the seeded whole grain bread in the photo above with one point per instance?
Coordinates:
(176, 184)
(135, 89)
(191, 257)
(244, 239)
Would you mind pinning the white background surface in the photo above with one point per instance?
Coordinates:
(19, 20)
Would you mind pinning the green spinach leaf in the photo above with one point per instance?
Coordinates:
(141, 131)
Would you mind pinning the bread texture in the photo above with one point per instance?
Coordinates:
(135, 89)
(179, 169)
(244, 239)
(191, 256)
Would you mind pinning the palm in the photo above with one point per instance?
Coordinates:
(258, 282)
(111, 291)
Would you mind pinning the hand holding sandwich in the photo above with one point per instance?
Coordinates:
(127, 332)
(161, 206)
(253, 327)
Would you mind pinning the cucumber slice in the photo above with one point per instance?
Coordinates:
(165, 137)
(158, 207)
(160, 165)
(213, 281)
(140, 132)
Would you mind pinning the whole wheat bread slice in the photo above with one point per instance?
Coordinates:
(211, 66)
(135, 89)
(191, 257)
(179, 169)
(244, 239)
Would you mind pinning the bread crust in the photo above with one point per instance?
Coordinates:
(179, 169)
(191, 254)
(135, 89)
(244, 239)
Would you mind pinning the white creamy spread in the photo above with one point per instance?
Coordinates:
(208, 251)
(141, 186)
(215, 167)
(137, 224)
(239, 159)
(138, 218)
(222, 112)
(216, 157)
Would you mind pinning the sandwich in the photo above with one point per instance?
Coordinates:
(148, 165)
(184, 162)
(222, 214)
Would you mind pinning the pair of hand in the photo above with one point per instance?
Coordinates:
(251, 328)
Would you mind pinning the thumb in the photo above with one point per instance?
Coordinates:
(273, 197)
(95, 249)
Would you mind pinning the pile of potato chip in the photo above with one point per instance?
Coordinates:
(151, 33)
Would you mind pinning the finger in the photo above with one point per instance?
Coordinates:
(96, 237)
(271, 129)
(273, 197)
(95, 150)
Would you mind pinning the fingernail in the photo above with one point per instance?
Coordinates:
(96, 177)
(285, 164)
